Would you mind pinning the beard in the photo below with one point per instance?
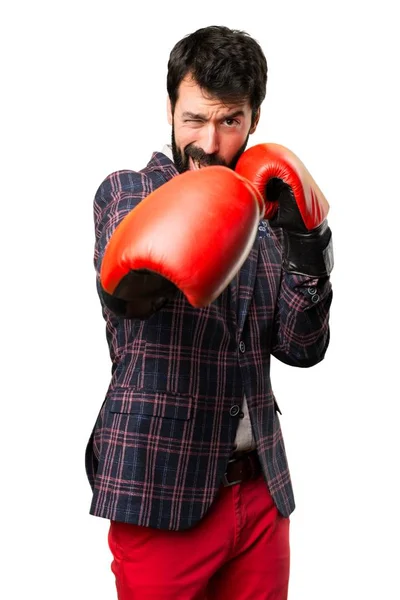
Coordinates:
(181, 157)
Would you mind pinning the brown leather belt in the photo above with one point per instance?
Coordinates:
(242, 467)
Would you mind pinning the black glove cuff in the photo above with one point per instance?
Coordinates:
(139, 295)
(309, 253)
(132, 310)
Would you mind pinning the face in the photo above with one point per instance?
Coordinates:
(206, 131)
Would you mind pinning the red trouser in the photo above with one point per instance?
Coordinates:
(238, 551)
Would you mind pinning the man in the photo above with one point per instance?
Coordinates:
(209, 260)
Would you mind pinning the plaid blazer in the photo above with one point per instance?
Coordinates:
(167, 426)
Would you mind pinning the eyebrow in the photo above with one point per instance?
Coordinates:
(190, 115)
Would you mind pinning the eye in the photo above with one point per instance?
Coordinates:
(230, 122)
(193, 122)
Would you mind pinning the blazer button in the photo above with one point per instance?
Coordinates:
(235, 410)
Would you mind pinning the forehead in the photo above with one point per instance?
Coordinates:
(191, 96)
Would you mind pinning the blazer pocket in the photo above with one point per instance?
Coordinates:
(152, 404)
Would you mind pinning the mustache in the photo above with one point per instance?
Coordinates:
(205, 159)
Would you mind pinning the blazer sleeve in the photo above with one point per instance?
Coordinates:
(118, 194)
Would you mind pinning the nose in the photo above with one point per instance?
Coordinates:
(210, 142)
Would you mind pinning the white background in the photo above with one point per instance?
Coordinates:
(83, 94)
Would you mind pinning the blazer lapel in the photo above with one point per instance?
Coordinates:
(246, 281)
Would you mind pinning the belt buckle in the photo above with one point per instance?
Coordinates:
(225, 481)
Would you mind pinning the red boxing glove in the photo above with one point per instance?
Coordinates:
(294, 202)
(265, 162)
(194, 232)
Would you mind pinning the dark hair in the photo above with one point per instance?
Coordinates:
(226, 63)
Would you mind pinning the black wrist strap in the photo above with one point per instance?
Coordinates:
(309, 253)
(139, 294)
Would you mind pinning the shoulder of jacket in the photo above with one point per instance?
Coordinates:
(158, 171)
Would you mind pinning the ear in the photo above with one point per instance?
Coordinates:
(255, 123)
(169, 111)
